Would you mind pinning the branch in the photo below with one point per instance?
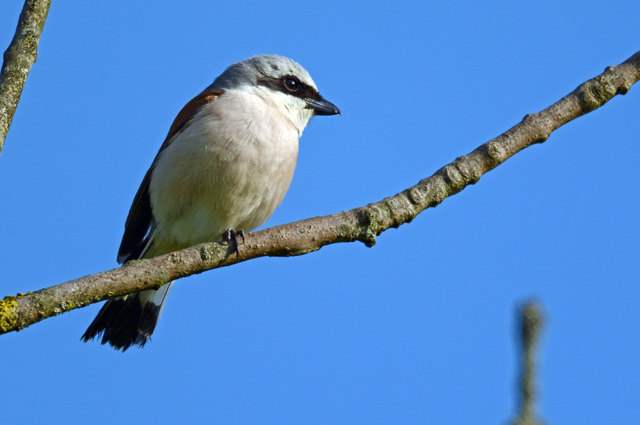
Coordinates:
(531, 322)
(18, 60)
(360, 224)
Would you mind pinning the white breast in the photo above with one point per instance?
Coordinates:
(229, 168)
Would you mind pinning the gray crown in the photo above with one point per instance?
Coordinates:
(248, 72)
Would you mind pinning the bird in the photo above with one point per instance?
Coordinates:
(225, 165)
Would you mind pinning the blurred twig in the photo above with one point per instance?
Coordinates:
(18, 60)
(531, 322)
(359, 224)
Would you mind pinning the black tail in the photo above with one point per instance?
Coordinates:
(129, 320)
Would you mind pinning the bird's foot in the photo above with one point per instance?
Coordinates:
(231, 237)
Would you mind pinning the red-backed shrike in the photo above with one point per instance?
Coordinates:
(226, 163)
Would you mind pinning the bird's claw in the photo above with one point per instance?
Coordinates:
(231, 237)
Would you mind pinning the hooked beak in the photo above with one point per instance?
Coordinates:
(322, 106)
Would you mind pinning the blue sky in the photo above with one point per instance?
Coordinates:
(419, 328)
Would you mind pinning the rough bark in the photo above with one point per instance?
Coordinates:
(18, 60)
(360, 224)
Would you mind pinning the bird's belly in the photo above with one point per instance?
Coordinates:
(204, 185)
(242, 199)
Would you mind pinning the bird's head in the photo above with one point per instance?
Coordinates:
(281, 83)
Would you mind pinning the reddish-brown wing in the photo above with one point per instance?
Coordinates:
(140, 218)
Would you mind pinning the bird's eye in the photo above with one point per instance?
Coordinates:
(292, 84)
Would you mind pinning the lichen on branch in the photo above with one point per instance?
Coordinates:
(360, 224)
(18, 60)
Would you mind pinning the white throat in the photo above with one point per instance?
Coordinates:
(292, 108)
